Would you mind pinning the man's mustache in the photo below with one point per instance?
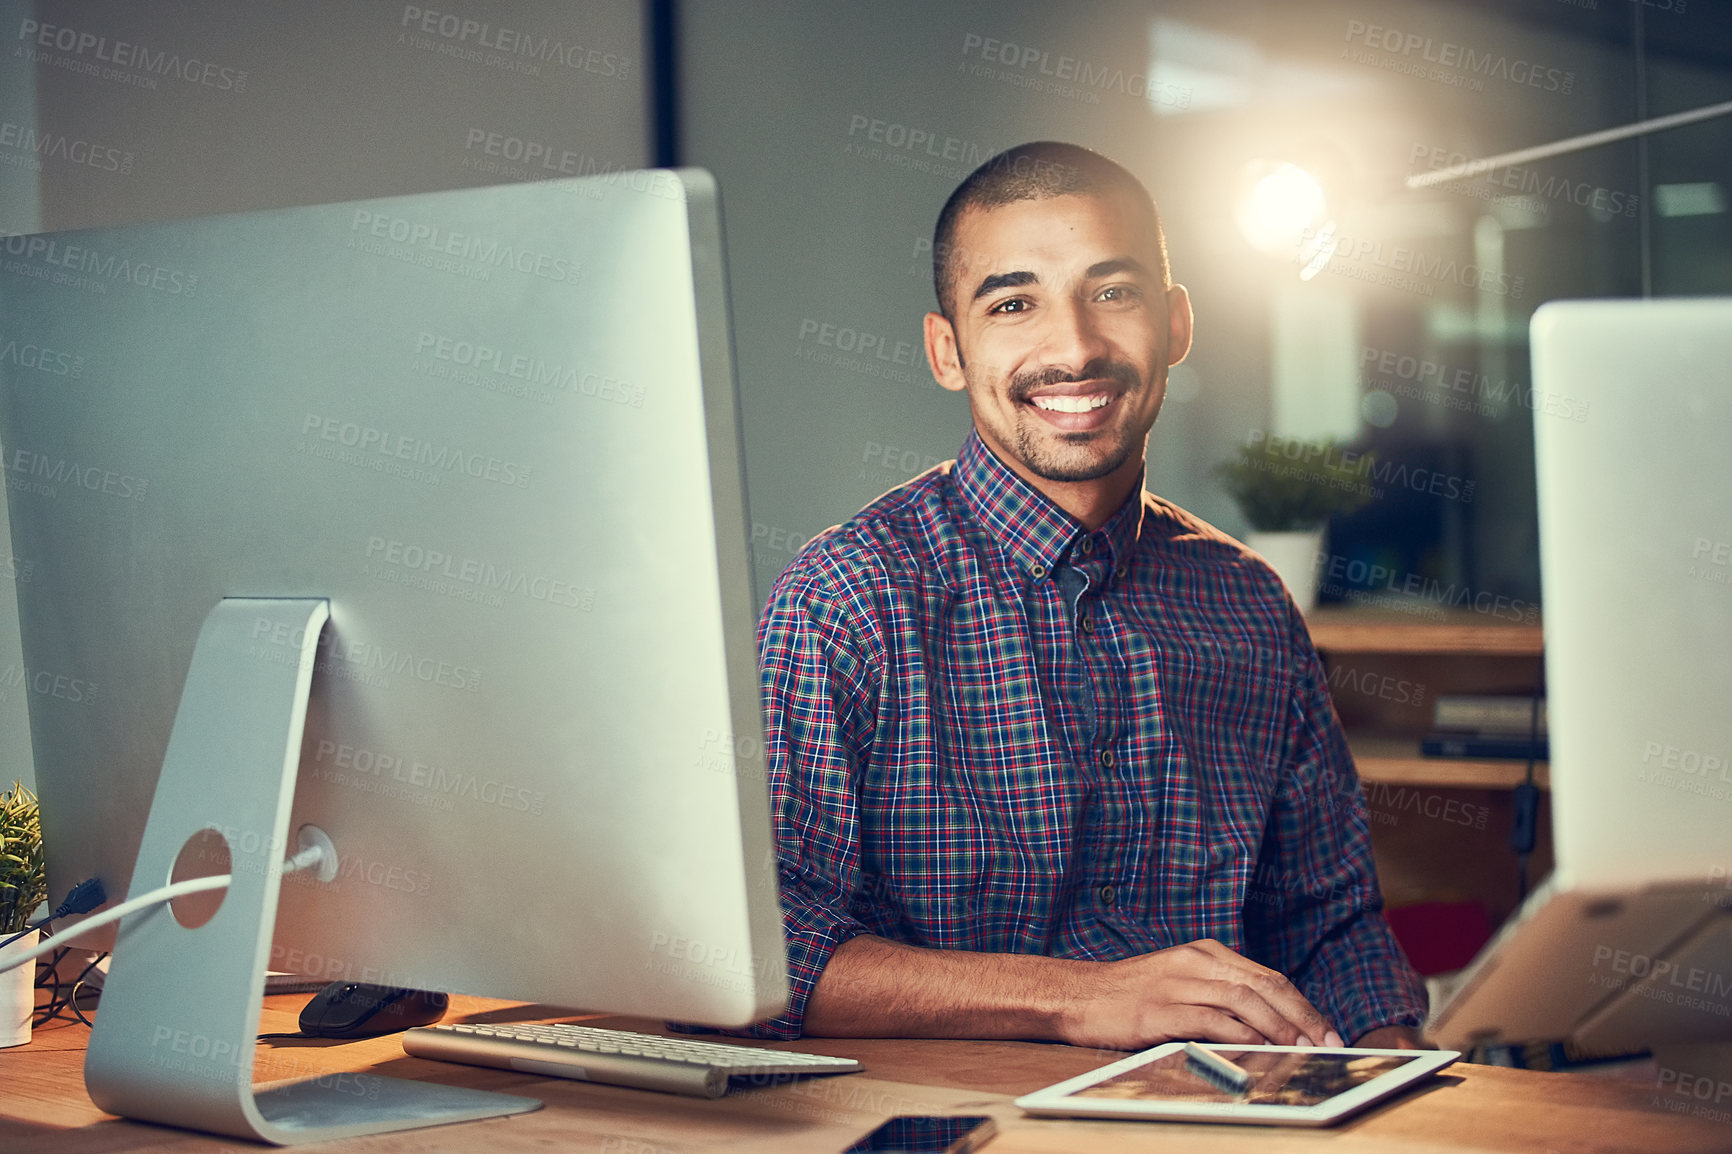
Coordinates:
(1023, 385)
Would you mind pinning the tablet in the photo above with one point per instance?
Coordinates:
(1291, 1085)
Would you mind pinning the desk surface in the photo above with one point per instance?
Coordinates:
(43, 1106)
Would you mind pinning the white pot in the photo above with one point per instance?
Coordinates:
(1295, 557)
(17, 993)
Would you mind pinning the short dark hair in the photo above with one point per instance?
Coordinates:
(1032, 171)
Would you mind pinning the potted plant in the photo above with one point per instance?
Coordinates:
(1288, 489)
(23, 887)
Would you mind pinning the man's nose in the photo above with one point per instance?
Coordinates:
(1073, 337)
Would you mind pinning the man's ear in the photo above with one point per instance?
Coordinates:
(942, 353)
(1178, 324)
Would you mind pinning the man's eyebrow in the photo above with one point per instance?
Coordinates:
(1005, 280)
(1119, 264)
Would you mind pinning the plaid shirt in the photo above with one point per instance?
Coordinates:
(988, 729)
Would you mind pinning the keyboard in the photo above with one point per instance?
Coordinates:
(616, 1057)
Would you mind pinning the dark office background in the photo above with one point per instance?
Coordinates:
(837, 130)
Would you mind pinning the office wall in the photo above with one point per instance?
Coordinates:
(838, 130)
(116, 114)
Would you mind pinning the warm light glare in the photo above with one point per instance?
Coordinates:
(1282, 209)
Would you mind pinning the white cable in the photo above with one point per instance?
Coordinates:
(309, 856)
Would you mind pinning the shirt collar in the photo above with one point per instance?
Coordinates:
(1034, 531)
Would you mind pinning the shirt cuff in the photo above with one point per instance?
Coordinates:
(813, 930)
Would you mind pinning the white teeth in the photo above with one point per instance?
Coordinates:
(1073, 404)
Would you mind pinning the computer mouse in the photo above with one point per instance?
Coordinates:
(358, 1010)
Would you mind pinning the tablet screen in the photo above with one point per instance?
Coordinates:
(1281, 1078)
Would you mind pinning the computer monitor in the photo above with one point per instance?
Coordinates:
(493, 434)
(1628, 945)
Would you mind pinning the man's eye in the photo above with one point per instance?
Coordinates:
(1013, 305)
(1117, 292)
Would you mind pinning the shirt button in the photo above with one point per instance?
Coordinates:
(1087, 623)
(1107, 895)
(1107, 758)
(1119, 572)
(1087, 545)
(1037, 570)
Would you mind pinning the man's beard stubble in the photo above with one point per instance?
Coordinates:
(1082, 464)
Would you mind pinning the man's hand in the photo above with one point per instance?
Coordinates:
(1200, 991)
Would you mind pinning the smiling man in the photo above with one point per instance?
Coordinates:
(1052, 758)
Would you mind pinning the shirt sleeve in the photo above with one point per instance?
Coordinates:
(819, 695)
(1315, 912)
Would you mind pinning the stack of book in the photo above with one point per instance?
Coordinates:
(1487, 725)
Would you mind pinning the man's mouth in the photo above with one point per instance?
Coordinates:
(1078, 409)
(1073, 404)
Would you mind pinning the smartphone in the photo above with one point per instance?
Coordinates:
(928, 1134)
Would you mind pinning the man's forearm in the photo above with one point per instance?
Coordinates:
(1201, 990)
(876, 988)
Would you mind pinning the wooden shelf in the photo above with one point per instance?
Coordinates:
(1397, 761)
(1337, 629)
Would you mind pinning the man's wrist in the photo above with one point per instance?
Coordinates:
(1393, 1038)
(874, 986)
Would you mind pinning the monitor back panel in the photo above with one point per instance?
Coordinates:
(497, 429)
(1635, 505)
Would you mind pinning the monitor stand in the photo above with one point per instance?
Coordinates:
(175, 1038)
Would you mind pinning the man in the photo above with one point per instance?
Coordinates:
(1052, 758)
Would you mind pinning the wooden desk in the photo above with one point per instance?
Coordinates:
(43, 1107)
